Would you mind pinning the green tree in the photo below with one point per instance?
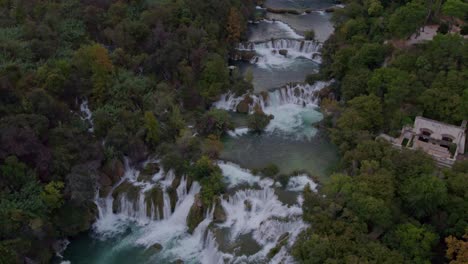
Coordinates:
(214, 77)
(52, 194)
(407, 19)
(152, 129)
(424, 195)
(94, 60)
(455, 8)
(413, 241)
(258, 121)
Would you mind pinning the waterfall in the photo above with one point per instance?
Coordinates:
(292, 106)
(292, 45)
(87, 115)
(303, 95)
(280, 53)
(132, 199)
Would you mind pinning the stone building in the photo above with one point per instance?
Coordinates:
(442, 141)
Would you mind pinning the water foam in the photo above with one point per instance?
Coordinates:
(87, 115)
(293, 107)
(282, 53)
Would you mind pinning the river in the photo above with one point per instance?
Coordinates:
(260, 214)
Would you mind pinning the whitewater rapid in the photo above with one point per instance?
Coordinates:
(294, 108)
(265, 219)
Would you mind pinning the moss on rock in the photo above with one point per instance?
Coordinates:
(244, 105)
(130, 191)
(154, 198)
(219, 215)
(195, 216)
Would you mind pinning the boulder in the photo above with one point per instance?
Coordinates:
(154, 199)
(130, 191)
(104, 191)
(137, 150)
(282, 241)
(244, 105)
(264, 95)
(104, 180)
(283, 52)
(248, 205)
(297, 92)
(219, 215)
(195, 216)
(114, 169)
(156, 247)
(147, 173)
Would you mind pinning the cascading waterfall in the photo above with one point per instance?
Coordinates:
(280, 53)
(258, 213)
(293, 108)
(148, 214)
(304, 95)
(87, 115)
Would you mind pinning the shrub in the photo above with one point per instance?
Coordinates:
(443, 28)
(258, 121)
(270, 170)
(309, 35)
(464, 30)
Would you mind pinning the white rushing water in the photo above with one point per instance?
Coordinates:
(87, 115)
(254, 212)
(282, 53)
(293, 107)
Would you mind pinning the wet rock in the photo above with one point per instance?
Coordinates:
(114, 169)
(189, 183)
(154, 200)
(104, 180)
(244, 55)
(137, 151)
(156, 247)
(244, 105)
(248, 205)
(264, 95)
(127, 189)
(219, 215)
(172, 197)
(179, 261)
(151, 168)
(330, 10)
(282, 241)
(195, 216)
(104, 191)
(148, 172)
(283, 237)
(283, 52)
(176, 182)
(297, 92)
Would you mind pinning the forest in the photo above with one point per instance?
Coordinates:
(384, 205)
(149, 71)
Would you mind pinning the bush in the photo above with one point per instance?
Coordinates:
(258, 121)
(270, 170)
(464, 30)
(309, 35)
(215, 122)
(443, 28)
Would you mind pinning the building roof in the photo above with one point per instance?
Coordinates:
(437, 127)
